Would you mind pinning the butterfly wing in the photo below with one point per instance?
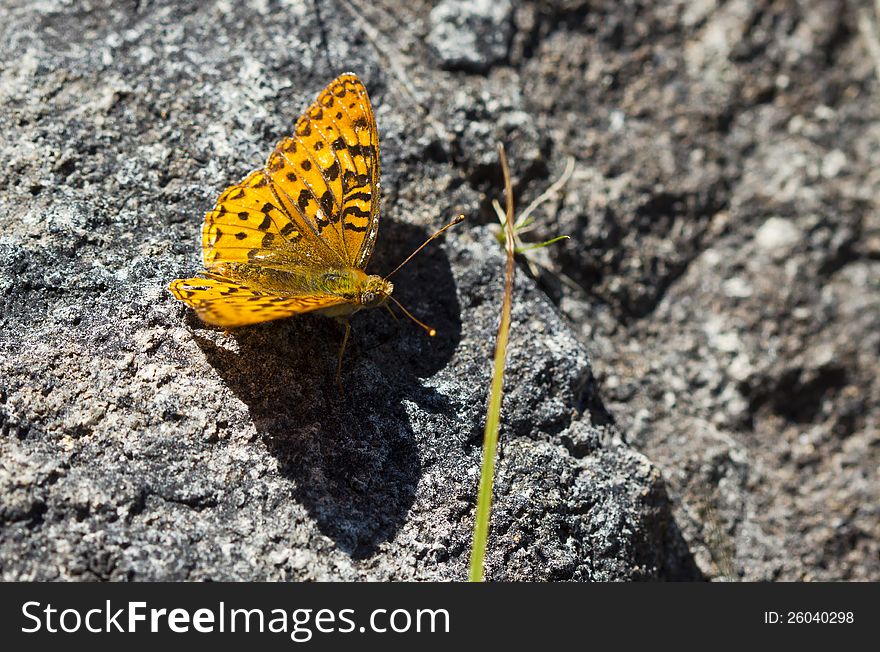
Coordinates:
(251, 224)
(327, 172)
(227, 303)
(315, 205)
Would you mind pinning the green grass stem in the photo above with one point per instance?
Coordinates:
(493, 413)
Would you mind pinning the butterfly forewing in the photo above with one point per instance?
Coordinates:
(328, 170)
(249, 221)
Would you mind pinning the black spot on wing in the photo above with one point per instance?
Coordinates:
(327, 204)
(351, 181)
(303, 200)
(354, 227)
(354, 210)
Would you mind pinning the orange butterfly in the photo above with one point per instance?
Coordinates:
(295, 236)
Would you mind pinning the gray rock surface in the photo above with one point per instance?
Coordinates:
(138, 444)
(471, 34)
(722, 273)
(725, 255)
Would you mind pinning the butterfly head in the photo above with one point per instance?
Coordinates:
(374, 291)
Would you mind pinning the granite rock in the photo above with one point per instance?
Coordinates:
(138, 444)
(693, 379)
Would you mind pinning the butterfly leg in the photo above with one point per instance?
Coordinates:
(391, 312)
(347, 325)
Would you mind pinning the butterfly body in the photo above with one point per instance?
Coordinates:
(351, 285)
(295, 236)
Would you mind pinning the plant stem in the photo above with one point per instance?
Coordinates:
(493, 413)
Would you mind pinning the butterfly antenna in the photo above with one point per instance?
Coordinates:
(424, 244)
(430, 331)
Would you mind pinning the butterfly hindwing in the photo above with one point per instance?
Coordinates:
(227, 303)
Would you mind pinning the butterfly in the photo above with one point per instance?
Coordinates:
(295, 236)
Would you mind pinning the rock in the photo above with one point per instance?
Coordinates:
(722, 271)
(777, 236)
(728, 230)
(138, 444)
(471, 35)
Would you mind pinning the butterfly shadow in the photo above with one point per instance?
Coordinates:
(351, 454)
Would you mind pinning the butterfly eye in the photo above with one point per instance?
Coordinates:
(368, 297)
